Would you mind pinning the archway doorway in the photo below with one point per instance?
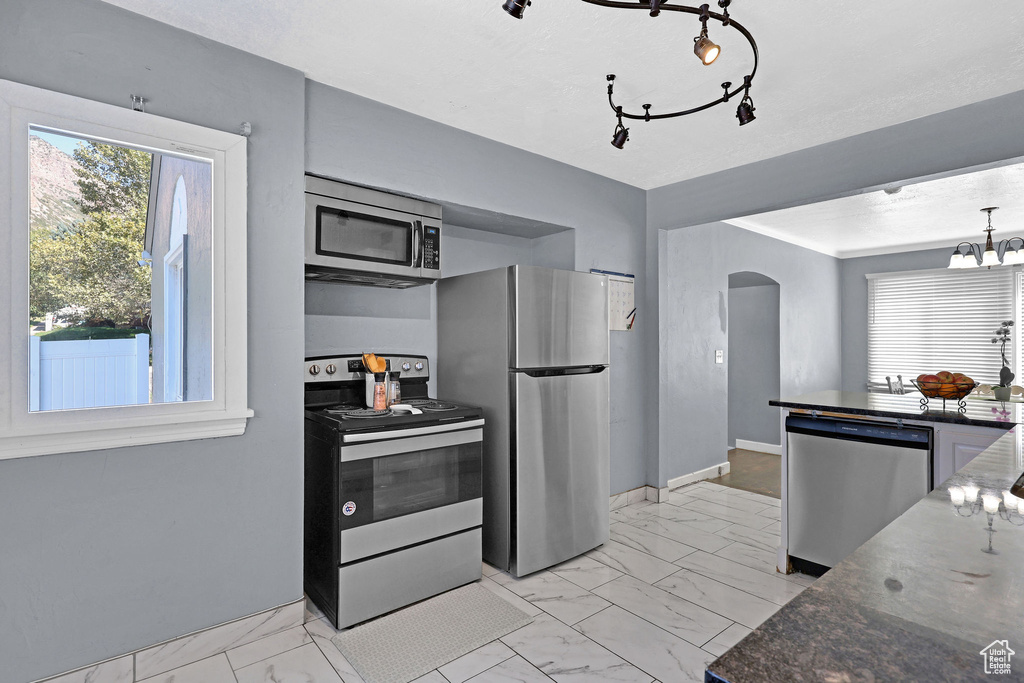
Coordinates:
(754, 432)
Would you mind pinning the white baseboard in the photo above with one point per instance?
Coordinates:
(700, 475)
(189, 648)
(641, 493)
(759, 447)
(628, 497)
(656, 495)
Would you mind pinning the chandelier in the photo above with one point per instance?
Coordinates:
(990, 254)
(703, 47)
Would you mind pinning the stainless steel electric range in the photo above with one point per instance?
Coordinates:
(393, 506)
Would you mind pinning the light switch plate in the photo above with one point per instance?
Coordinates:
(719, 356)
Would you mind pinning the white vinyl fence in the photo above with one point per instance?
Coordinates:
(88, 373)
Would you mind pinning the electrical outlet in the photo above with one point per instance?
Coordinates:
(719, 356)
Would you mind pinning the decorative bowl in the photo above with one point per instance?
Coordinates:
(949, 390)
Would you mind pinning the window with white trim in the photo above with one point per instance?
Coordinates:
(207, 392)
(932, 320)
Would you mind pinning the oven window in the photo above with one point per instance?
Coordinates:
(367, 238)
(412, 482)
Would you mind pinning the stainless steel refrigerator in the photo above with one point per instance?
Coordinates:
(530, 346)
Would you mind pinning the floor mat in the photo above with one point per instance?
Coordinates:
(406, 644)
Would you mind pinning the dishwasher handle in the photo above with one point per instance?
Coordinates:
(882, 433)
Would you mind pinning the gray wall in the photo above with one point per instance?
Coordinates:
(352, 318)
(361, 141)
(855, 304)
(977, 134)
(116, 550)
(752, 364)
(104, 552)
(694, 322)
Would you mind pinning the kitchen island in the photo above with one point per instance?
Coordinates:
(919, 601)
(978, 412)
(958, 436)
(922, 597)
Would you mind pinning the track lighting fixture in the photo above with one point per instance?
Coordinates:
(745, 112)
(705, 49)
(516, 7)
(621, 133)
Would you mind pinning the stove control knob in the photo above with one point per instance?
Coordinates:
(331, 369)
(405, 367)
(419, 365)
(314, 370)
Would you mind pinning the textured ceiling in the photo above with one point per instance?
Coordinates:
(827, 71)
(935, 213)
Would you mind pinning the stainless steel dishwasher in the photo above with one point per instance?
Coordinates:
(847, 479)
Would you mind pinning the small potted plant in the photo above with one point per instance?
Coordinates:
(1003, 389)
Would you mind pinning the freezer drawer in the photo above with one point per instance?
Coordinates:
(560, 318)
(560, 498)
(842, 491)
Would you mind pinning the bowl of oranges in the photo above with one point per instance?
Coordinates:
(952, 385)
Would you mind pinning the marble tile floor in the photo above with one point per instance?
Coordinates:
(677, 585)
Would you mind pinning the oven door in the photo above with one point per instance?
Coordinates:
(398, 492)
(346, 235)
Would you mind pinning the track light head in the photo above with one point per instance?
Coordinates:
(705, 49)
(745, 112)
(516, 7)
(620, 137)
(655, 7)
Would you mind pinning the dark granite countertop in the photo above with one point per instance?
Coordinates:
(980, 412)
(917, 602)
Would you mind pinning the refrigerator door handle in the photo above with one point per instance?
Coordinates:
(562, 372)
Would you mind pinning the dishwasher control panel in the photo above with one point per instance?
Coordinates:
(872, 432)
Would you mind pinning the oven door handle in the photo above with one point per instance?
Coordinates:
(414, 444)
(415, 431)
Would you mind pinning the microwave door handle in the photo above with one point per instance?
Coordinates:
(417, 245)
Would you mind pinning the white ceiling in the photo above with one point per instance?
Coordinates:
(827, 71)
(931, 214)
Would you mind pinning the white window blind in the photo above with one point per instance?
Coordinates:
(934, 320)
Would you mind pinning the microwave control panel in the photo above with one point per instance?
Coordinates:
(432, 247)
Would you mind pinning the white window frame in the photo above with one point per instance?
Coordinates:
(1012, 274)
(24, 433)
(174, 309)
(174, 298)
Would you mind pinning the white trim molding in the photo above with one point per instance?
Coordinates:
(712, 472)
(24, 432)
(159, 658)
(637, 495)
(759, 447)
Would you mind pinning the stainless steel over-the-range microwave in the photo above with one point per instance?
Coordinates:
(356, 234)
